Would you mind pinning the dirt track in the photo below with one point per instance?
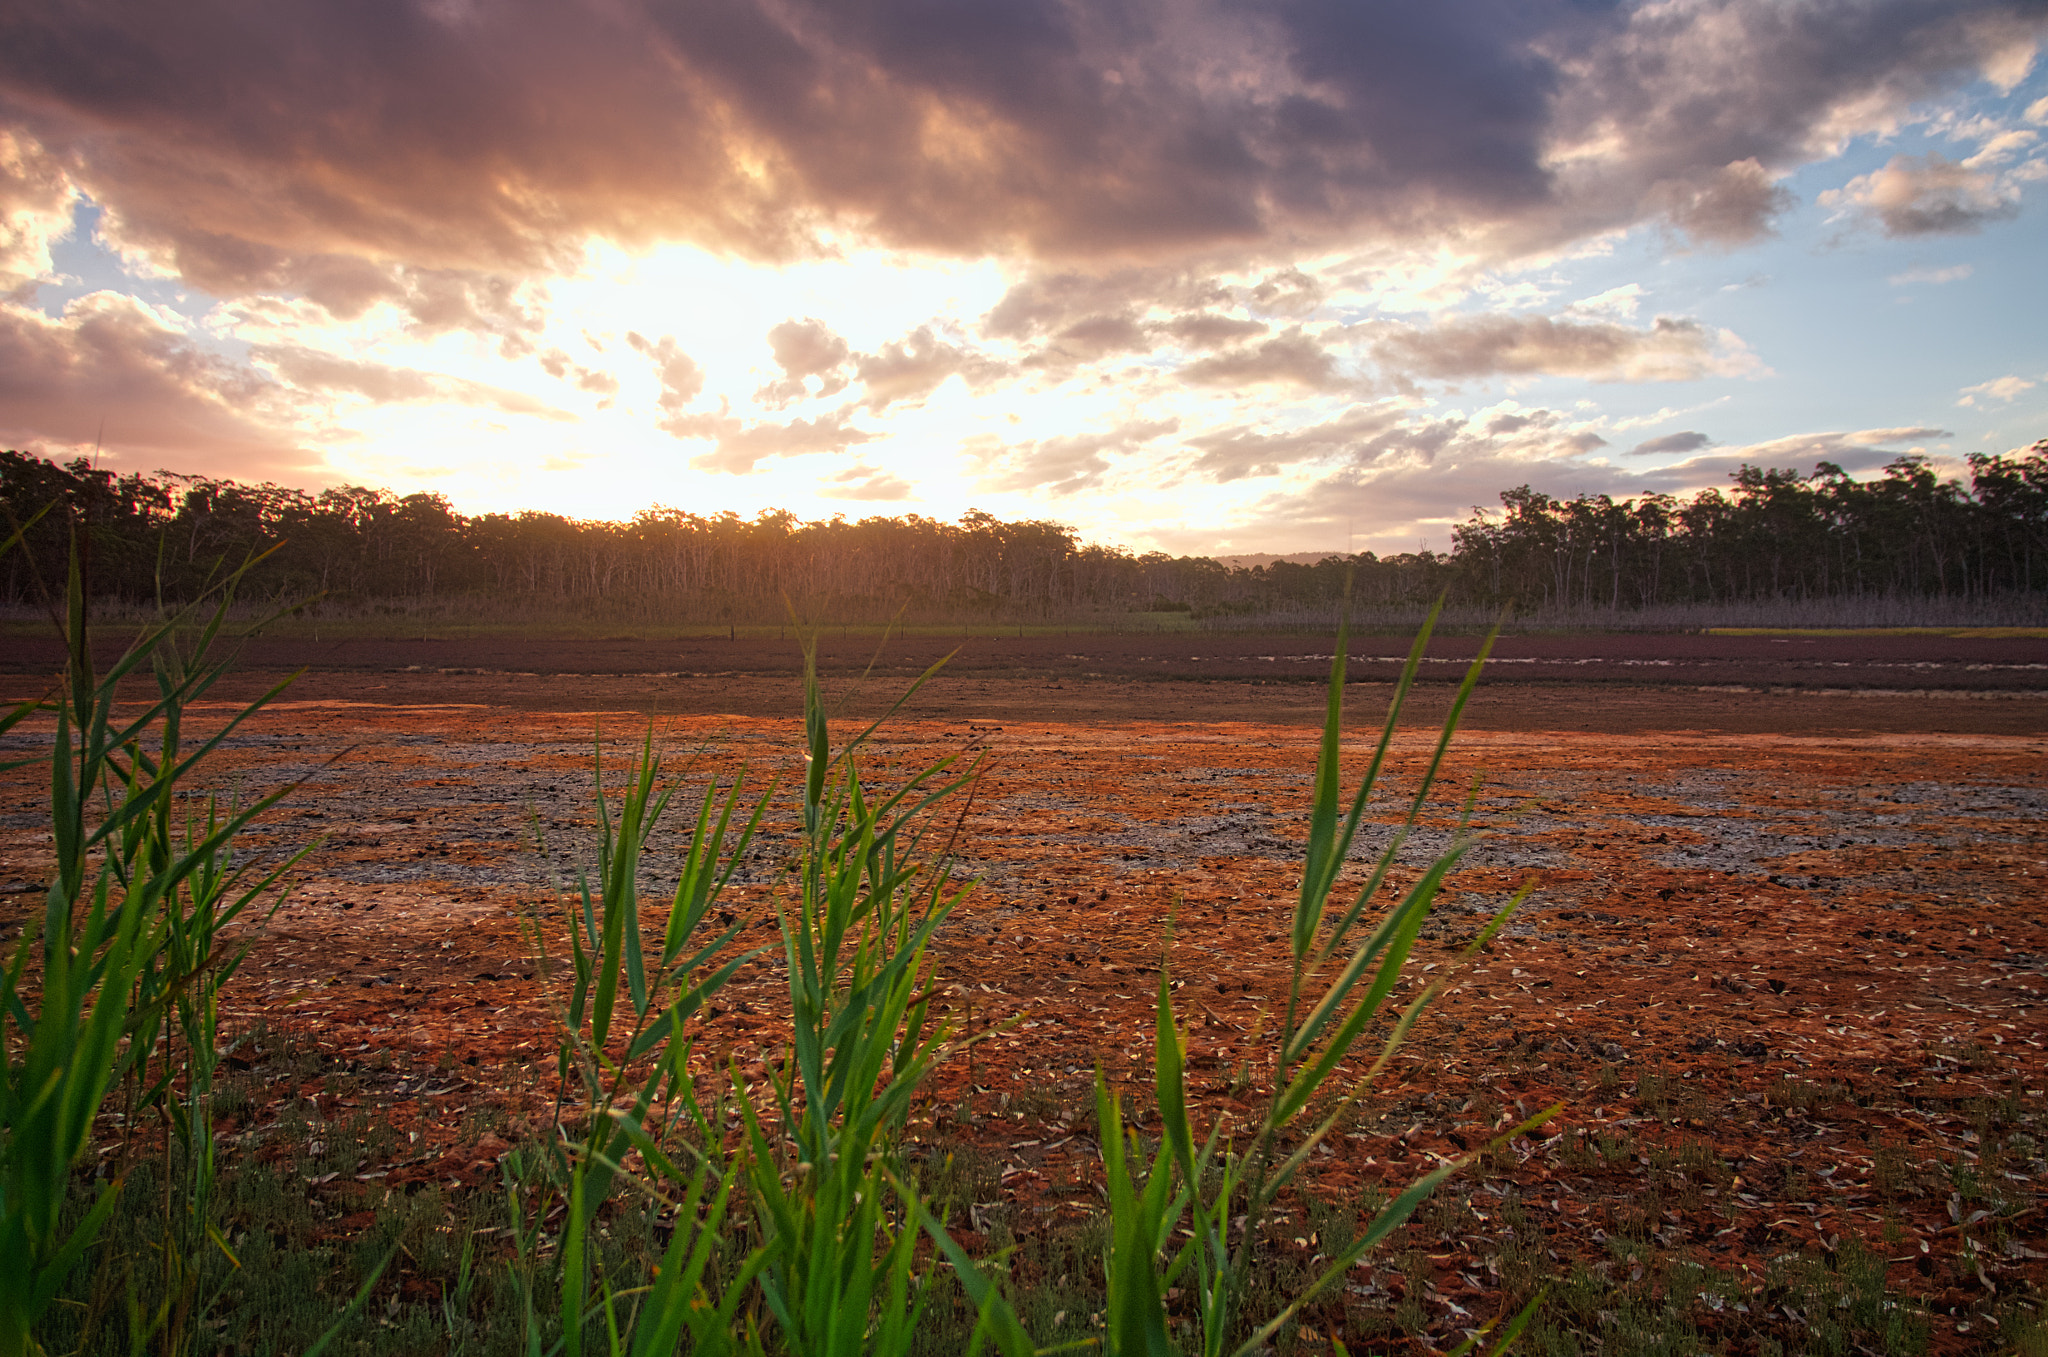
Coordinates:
(1734, 889)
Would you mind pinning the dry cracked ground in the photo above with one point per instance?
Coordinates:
(1782, 962)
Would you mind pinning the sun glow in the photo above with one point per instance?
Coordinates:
(563, 408)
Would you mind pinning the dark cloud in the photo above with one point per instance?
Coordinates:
(1085, 317)
(1047, 302)
(113, 371)
(1671, 349)
(1731, 206)
(1289, 292)
(1688, 441)
(1206, 330)
(1291, 358)
(439, 300)
(1927, 195)
(325, 146)
(1099, 337)
(1689, 111)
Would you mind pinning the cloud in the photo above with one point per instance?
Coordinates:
(1926, 195)
(2002, 146)
(1048, 301)
(1289, 292)
(682, 380)
(1292, 358)
(1620, 303)
(1367, 435)
(1358, 435)
(1083, 317)
(1855, 450)
(864, 482)
(1691, 112)
(1688, 441)
(1207, 330)
(1954, 273)
(1672, 349)
(1063, 465)
(496, 140)
(738, 447)
(35, 210)
(1419, 469)
(439, 300)
(1098, 337)
(1517, 420)
(1423, 466)
(309, 369)
(1730, 206)
(2007, 389)
(113, 366)
(558, 365)
(1858, 451)
(908, 370)
(806, 348)
(316, 371)
(1217, 186)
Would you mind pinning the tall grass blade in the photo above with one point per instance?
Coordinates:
(1226, 1199)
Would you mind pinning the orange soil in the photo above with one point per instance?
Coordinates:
(1717, 904)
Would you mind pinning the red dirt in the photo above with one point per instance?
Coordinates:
(1731, 889)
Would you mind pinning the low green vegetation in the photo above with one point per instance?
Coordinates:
(170, 1187)
(639, 1222)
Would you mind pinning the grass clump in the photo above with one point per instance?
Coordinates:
(1346, 969)
(115, 982)
(667, 1205)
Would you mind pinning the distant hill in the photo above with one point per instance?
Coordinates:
(1298, 558)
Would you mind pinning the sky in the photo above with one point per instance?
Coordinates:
(1200, 276)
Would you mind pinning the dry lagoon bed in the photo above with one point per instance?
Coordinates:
(1783, 963)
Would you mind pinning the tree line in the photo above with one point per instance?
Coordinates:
(1774, 535)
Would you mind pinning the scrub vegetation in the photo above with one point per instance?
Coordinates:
(677, 1200)
(648, 1216)
(1777, 548)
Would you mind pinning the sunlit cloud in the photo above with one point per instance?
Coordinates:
(2007, 389)
(115, 368)
(1163, 270)
(35, 210)
(1954, 273)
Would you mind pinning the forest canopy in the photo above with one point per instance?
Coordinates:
(1773, 535)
